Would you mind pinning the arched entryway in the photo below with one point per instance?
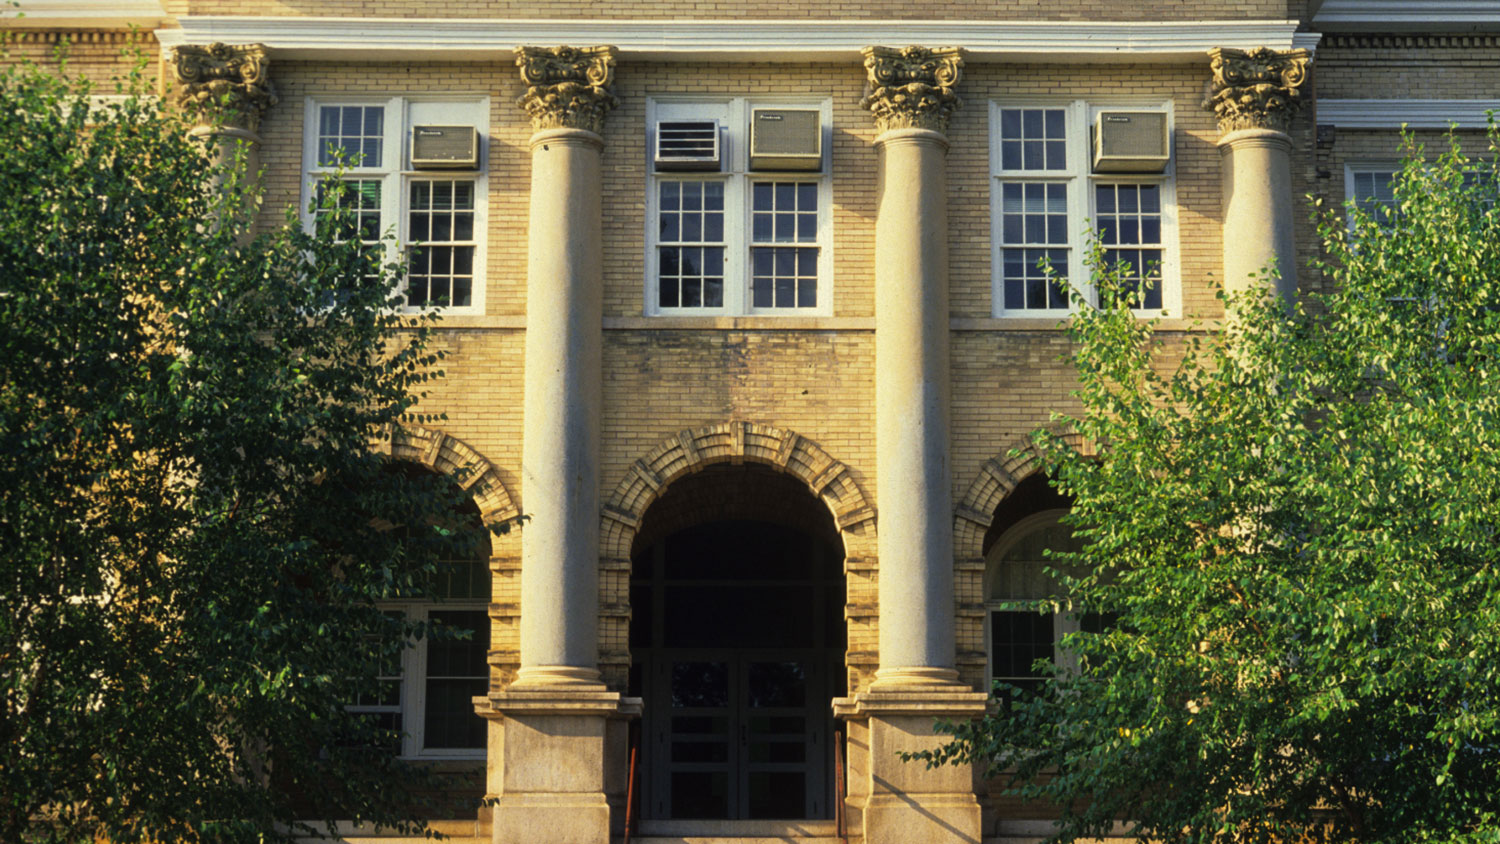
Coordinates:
(737, 642)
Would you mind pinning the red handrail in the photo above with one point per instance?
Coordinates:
(630, 785)
(839, 786)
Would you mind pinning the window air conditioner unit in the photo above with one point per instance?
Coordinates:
(444, 148)
(687, 145)
(785, 139)
(1131, 142)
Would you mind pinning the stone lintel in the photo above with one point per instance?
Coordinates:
(567, 87)
(223, 83)
(912, 87)
(1256, 89)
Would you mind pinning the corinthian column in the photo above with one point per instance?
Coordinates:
(1256, 94)
(567, 96)
(911, 94)
(225, 90)
(558, 741)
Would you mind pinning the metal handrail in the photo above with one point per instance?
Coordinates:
(631, 784)
(840, 787)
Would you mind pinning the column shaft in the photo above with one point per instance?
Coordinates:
(911, 409)
(1258, 221)
(560, 456)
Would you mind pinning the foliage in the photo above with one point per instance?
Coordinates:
(195, 529)
(1295, 519)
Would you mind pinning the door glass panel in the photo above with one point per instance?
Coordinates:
(699, 725)
(700, 751)
(778, 794)
(778, 751)
(777, 684)
(700, 794)
(700, 685)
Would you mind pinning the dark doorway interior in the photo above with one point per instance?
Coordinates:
(737, 646)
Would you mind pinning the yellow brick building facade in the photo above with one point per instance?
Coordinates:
(765, 527)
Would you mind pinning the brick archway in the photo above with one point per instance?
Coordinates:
(448, 455)
(737, 442)
(972, 517)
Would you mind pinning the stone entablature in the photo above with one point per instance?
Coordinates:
(567, 87)
(1256, 89)
(224, 82)
(912, 87)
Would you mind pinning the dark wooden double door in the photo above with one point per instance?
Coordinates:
(737, 649)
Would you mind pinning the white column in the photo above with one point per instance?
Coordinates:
(557, 736)
(1256, 94)
(560, 455)
(912, 393)
(912, 97)
(567, 99)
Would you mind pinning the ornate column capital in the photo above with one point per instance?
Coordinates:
(912, 87)
(567, 87)
(1256, 89)
(220, 80)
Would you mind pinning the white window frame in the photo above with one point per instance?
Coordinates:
(396, 176)
(1079, 118)
(1353, 168)
(733, 115)
(413, 697)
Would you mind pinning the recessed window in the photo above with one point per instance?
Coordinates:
(1048, 201)
(436, 211)
(1021, 639)
(731, 231)
(426, 692)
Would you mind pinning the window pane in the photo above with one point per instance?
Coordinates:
(351, 133)
(456, 673)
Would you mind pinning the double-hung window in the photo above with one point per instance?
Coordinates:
(738, 208)
(1047, 199)
(433, 202)
(426, 693)
(1372, 188)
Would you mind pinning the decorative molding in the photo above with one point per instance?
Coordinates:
(84, 14)
(1417, 41)
(231, 82)
(1256, 89)
(912, 87)
(567, 87)
(1406, 16)
(385, 39)
(1413, 114)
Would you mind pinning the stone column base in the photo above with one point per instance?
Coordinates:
(896, 802)
(557, 763)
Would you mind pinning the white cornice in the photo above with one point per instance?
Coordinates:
(82, 14)
(1415, 114)
(1408, 16)
(735, 40)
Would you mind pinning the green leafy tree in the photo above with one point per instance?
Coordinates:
(1294, 520)
(195, 533)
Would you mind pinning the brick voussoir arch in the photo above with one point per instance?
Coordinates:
(451, 456)
(736, 442)
(996, 479)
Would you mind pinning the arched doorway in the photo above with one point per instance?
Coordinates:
(737, 647)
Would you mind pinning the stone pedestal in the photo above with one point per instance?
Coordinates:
(558, 764)
(895, 802)
(1256, 94)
